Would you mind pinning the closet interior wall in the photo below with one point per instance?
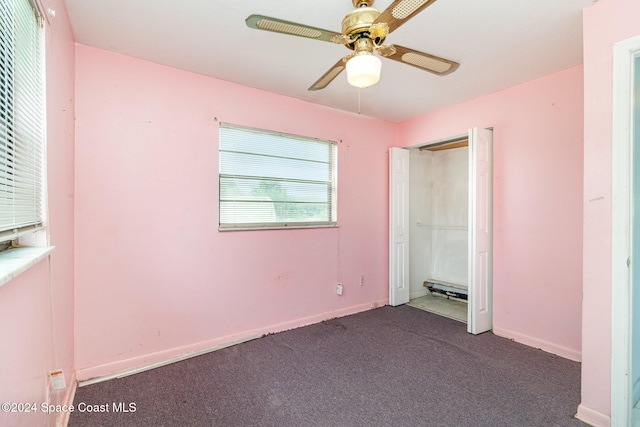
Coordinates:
(439, 217)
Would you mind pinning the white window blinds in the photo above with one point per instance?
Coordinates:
(21, 118)
(274, 180)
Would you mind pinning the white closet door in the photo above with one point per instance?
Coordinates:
(399, 226)
(480, 317)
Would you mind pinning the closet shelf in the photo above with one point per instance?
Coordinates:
(443, 227)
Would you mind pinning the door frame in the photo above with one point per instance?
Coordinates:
(624, 53)
(399, 287)
(398, 283)
(480, 231)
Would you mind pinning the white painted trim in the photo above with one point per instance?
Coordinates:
(547, 346)
(18, 260)
(399, 229)
(480, 233)
(593, 417)
(165, 362)
(63, 417)
(622, 155)
(122, 368)
(418, 293)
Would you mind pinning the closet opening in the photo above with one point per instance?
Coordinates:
(439, 227)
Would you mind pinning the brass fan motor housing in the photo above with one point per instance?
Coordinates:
(362, 3)
(357, 24)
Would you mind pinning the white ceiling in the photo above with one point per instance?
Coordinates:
(499, 43)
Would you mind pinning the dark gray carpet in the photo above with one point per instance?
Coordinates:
(387, 367)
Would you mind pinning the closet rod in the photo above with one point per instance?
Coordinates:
(448, 141)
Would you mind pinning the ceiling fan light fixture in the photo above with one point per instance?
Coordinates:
(364, 31)
(363, 70)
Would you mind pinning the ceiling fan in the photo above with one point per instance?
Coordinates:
(364, 31)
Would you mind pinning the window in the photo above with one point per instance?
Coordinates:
(274, 180)
(21, 119)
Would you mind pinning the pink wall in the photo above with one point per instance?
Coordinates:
(155, 278)
(147, 187)
(36, 308)
(538, 136)
(605, 23)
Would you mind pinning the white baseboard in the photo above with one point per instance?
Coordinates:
(593, 417)
(549, 347)
(164, 362)
(122, 368)
(63, 417)
(419, 293)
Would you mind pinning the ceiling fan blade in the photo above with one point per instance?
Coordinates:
(424, 61)
(260, 22)
(333, 72)
(400, 11)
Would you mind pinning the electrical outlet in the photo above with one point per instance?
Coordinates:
(362, 280)
(339, 289)
(56, 379)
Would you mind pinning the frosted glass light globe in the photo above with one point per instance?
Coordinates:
(363, 70)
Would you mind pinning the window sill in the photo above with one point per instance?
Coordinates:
(18, 260)
(275, 226)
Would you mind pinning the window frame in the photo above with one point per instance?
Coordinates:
(30, 231)
(280, 225)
